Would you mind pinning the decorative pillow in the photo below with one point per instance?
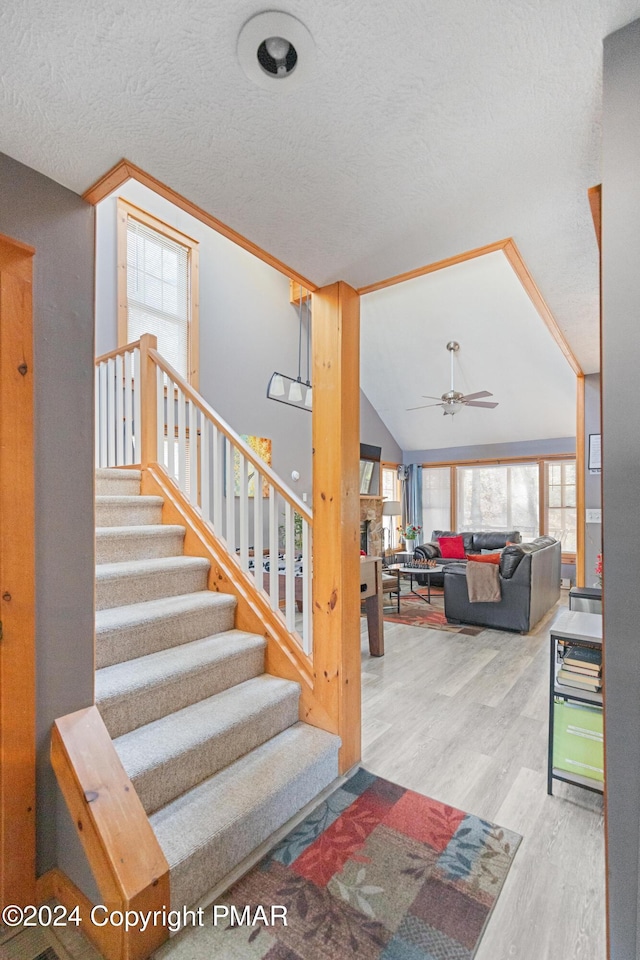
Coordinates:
(451, 548)
(484, 557)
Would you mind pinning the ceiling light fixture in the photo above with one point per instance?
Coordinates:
(295, 392)
(275, 46)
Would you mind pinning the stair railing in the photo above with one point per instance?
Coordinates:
(266, 528)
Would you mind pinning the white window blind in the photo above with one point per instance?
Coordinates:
(436, 500)
(561, 503)
(503, 497)
(158, 295)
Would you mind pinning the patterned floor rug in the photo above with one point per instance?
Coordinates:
(377, 872)
(417, 613)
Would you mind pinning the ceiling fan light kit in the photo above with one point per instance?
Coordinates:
(453, 401)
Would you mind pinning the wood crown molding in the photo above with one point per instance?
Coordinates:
(513, 255)
(595, 202)
(125, 170)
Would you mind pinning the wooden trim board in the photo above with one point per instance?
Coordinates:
(17, 577)
(580, 484)
(125, 170)
(513, 255)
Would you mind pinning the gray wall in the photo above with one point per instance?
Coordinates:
(621, 472)
(491, 451)
(592, 482)
(60, 226)
(373, 431)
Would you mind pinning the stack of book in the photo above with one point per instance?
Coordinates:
(582, 668)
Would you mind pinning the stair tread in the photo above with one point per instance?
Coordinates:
(231, 796)
(115, 618)
(104, 473)
(132, 568)
(157, 743)
(132, 676)
(134, 500)
(140, 530)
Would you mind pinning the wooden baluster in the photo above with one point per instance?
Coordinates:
(289, 567)
(218, 479)
(258, 532)
(244, 513)
(230, 496)
(148, 404)
(111, 413)
(171, 430)
(307, 573)
(273, 548)
(128, 410)
(182, 441)
(119, 423)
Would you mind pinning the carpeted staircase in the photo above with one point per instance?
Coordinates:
(212, 744)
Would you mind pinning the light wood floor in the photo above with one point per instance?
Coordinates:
(464, 720)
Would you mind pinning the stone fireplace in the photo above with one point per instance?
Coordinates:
(371, 534)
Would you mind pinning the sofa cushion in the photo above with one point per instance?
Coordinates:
(427, 551)
(492, 540)
(510, 560)
(467, 538)
(452, 547)
(484, 557)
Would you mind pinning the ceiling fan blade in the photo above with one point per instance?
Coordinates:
(476, 396)
(424, 406)
(479, 403)
(428, 396)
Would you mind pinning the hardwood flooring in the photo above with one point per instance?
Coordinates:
(464, 720)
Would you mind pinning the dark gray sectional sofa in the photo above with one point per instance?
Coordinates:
(529, 576)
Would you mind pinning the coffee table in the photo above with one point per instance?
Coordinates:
(412, 572)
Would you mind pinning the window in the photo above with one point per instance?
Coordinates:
(436, 500)
(561, 503)
(159, 265)
(501, 497)
(390, 491)
(535, 496)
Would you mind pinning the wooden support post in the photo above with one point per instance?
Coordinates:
(148, 401)
(17, 578)
(336, 512)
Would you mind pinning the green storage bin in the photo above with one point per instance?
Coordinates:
(578, 739)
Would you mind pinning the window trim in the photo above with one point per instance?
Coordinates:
(569, 558)
(128, 211)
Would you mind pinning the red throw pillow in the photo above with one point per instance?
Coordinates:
(451, 548)
(484, 557)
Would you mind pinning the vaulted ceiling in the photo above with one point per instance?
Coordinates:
(422, 130)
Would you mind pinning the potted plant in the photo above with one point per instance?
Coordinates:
(409, 534)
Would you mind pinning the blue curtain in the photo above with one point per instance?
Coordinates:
(412, 499)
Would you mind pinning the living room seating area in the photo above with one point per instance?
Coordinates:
(527, 577)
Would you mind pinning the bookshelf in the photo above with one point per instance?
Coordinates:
(575, 715)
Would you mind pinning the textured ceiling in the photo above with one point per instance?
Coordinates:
(504, 347)
(424, 129)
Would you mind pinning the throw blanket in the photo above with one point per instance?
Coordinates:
(483, 582)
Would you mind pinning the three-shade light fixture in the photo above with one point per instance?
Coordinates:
(295, 392)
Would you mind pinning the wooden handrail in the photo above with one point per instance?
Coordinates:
(118, 352)
(125, 857)
(233, 437)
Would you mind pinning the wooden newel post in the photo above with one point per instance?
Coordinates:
(336, 512)
(148, 400)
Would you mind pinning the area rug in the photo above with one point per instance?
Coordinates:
(416, 613)
(377, 872)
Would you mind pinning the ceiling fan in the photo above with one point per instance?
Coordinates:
(453, 401)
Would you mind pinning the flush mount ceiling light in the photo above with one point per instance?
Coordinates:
(274, 46)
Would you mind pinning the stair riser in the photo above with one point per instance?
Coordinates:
(177, 775)
(122, 714)
(197, 875)
(115, 549)
(125, 514)
(122, 591)
(118, 486)
(116, 646)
